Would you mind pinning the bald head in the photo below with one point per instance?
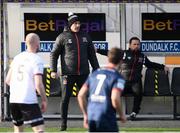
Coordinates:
(32, 42)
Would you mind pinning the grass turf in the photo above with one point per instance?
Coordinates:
(84, 130)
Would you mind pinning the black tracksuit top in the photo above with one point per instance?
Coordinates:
(75, 50)
(132, 64)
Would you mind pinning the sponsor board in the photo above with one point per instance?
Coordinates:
(160, 46)
(49, 25)
(46, 46)
(160, 26)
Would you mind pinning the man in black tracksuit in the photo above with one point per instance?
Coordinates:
(131, 68)
(76, 51)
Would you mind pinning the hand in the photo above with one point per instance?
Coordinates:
(85, 122)
(43, 106)
(166, 69)
(54, 75)
(123, 118)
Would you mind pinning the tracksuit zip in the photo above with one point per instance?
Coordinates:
(78, 48)
(130, 77)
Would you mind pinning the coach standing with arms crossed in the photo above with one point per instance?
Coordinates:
(76, 49)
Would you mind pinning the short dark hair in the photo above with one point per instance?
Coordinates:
(133, 38)
(115, 55)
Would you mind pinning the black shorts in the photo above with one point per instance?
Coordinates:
(102, 126)
(26, 114)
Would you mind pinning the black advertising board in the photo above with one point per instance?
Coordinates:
(160, 26)
(49, 25)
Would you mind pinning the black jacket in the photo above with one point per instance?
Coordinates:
(75, 49)
(132, 64)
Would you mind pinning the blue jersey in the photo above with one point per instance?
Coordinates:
(100, 84)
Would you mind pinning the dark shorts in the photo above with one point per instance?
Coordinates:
(26, 114)
(97, 126)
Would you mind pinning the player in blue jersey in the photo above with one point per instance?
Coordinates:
(103, 88)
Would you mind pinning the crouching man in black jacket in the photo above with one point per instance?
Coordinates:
(131, 68)
(75, 49)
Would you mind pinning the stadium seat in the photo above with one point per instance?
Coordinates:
(175, 84)
(175, 87)
(156, 83)
(52, 86)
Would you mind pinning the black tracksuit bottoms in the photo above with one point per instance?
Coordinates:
(68, 83)
(134, 88)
